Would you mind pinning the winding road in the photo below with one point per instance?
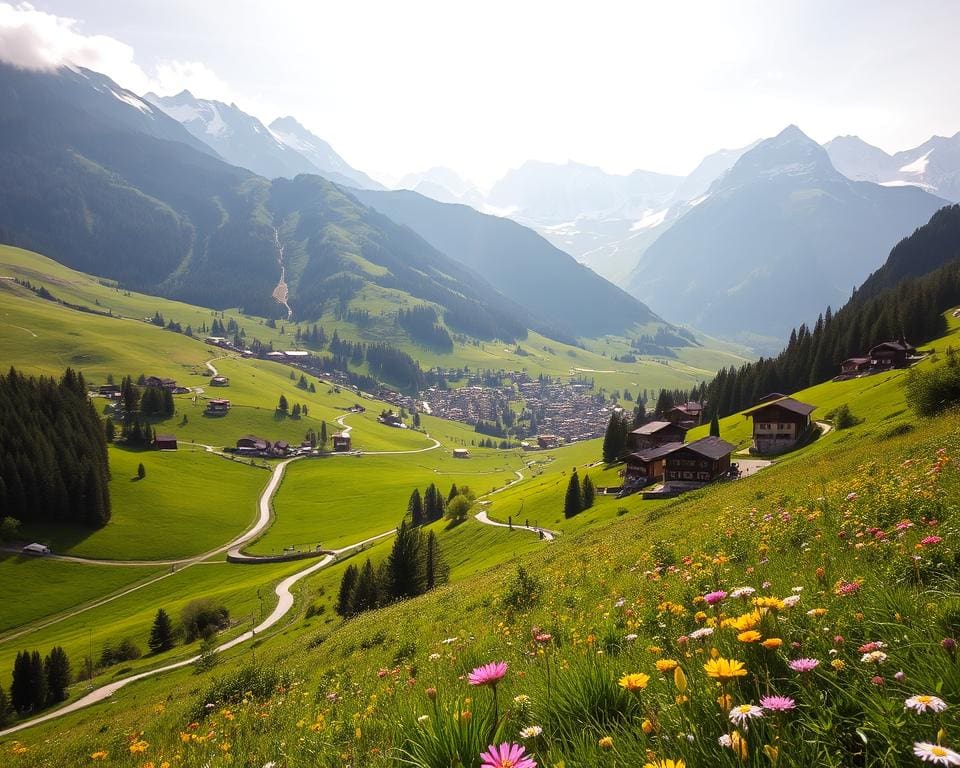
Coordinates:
(481, 517)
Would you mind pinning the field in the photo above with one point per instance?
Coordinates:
(190, 502)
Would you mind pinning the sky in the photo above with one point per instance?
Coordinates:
(399, 87)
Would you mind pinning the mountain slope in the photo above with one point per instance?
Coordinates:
(103, 196)
(519, 263)
(933, 166)
(320, 154)
(780, 236)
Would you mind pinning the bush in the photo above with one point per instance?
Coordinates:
(125, 650)
(843, 417)
(935, 389)
(9, 526)
(524, 591)
(203, 618)
(458, 509)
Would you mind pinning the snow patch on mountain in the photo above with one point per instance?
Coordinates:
(918, 166)
(650, 219)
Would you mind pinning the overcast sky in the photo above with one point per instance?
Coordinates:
(399, 86)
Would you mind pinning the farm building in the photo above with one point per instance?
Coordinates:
(341, 443)
(461, 453)
(220, 381)
(655, 434)
(779, 424)
(157, 381)
(252, 443)
(165, 442)
(686, 414)
(549, 441)
(701, 461)
(647, 466)
(218, 406)
(892, 354)
(854, 366)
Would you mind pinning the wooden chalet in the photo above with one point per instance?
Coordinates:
(461, 453)
(855, 366)
(252, 444)
(218, 406)
(892, 354)
(647, 466)
(220, 381)
(779, 424)
(654, 434)
(341, 443)
(157, 381)
(686, 414)
(701, 461)
(165, 442)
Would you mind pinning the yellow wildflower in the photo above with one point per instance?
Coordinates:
(636, 681)
(772, 643)
(724, 670)
(750, 636)
(605, 742)
(666, 665)
(100, 754)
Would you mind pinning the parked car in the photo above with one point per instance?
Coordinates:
(36, 549)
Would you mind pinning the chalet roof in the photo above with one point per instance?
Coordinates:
(653, 427)
(711, 447)
(893, 346)
(166, 438)
(857, 360)
(655, 453)
(787, 403)
(771, 396)
(688, 408)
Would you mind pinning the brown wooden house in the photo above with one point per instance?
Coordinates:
(701, 461)
(686, 414)
(892, 354)
(854, 366)
(647, 466)
(654, 434)
(779, 424)
(218, 406)
(252, 443)
(341, 443)
(165, 442)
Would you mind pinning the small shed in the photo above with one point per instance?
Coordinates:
(165, 442)
(341, 442)
(461, 453)
(220, 381)
(218, 406)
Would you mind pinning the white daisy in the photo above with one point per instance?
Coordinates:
(934, 753)
(922, 703)
(530, 732)
(743, 714)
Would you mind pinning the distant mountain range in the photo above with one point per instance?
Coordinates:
(285, 149)
(107, 183)
(933, 166)
(778, 237)
(444, 185)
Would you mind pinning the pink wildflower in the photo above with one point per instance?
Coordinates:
(488, 674)
(804, 665)
(777, 703)
(507, 755)
(712, 598)
(930, 541)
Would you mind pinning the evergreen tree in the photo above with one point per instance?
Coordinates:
(437, 570)
(404, 567)
(365, 595)
(572, 504)
(323, 434)
(57, 670)
(615, 438)
(715, 426)
(5, 708)
(38, 682)
(21, 695)
(415, 508)
(453, 493)
(588, 492)
(161, 633)
(141, 471)
(347, 584)
(109, 430)
(282, 405)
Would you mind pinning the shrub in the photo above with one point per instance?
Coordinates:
(524, 591)
(843, 417)
(935, 389)
(125, 650)
(9, 526)
(257, 682)
(203, 618)
(458, 509)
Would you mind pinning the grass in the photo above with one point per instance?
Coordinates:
(56, 586)
(344, 499)
(190, 502)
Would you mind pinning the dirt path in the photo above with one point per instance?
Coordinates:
(285, 602)
(281, 293)
(481, 517)
(825, 428)
(341, 421)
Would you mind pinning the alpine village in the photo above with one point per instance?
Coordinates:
(308, 465)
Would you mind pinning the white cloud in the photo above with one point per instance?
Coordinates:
(34, 39)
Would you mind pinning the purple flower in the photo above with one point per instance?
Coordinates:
(712, 598)
(488, 674)
(507, 755)
(804, 665)
(777, 703)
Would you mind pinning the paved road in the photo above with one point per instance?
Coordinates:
(481, 517)
(341, 420)
(285, 602)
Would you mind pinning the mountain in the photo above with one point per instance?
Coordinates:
(320, 154)
(933, 166)
(712, 167)
(444, 185)
(131, 197)
(779, 236)
(519, 263)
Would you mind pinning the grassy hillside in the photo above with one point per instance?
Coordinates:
(859, 531)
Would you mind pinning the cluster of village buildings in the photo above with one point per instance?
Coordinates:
(883, 357)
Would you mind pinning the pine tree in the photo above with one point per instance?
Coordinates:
(715, 426)
(613, 439)
(323, 433)
(141, 471)
(57, 669)
(109, 430)
(415, 508)
(37, 682)
(453, 493)
(161, 633)
(20, 691)
(5, 708)
(347, 584)
(365, 595)
(588, 492)
(437, 570)
(404, 566)
(572, 504)
(282, 405)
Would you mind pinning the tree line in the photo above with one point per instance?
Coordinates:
(53, 451)
(579, 497)
(422, 324)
